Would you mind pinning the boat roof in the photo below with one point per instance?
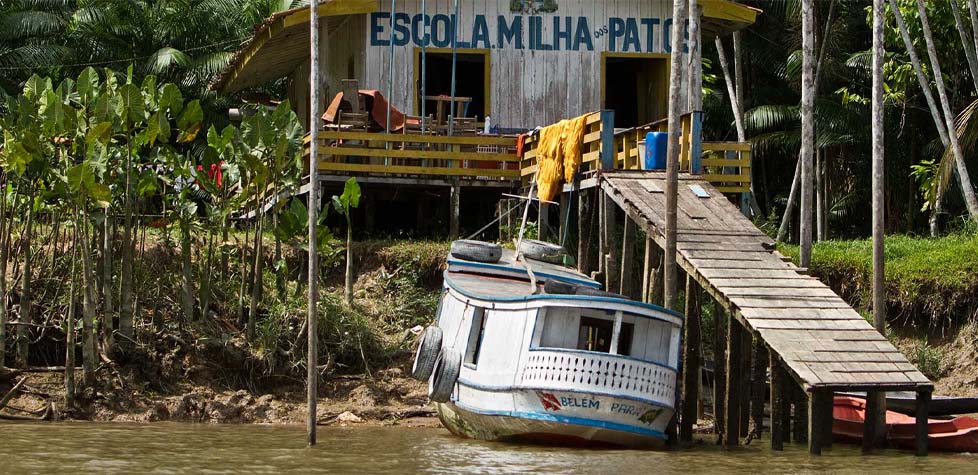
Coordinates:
(509, 267)
(502, 289)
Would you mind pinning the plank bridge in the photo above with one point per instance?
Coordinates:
(812, 335)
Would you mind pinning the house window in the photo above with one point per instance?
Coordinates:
(595, 335)
(476, 332)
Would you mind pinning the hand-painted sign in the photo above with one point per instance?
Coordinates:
(549, 401)
(525, 32)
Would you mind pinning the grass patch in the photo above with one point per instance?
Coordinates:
(928, 280)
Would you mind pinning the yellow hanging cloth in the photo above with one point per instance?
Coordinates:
(559, 155)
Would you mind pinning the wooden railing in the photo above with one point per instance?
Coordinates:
(724, 164)
(365, 153)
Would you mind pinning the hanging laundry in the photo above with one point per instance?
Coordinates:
(559, 156)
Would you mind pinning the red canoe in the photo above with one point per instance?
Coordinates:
(955, 435)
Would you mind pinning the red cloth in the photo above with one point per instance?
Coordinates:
(375, 102)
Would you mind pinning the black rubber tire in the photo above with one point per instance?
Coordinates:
(477, 251)
(429, 349)
(555, 287)
(443, 379)
(542, 251)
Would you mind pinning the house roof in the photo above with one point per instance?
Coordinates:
(281, 43)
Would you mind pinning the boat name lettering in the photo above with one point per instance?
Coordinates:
(628, 409)
(583, 402)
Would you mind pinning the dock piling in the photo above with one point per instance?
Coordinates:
(746, 348)
(923, 409)
(719, 369)
(691, 361)
(611, 268)
(731, 429)
(777, 403)
(625, 285)
(454, 204)
(870, 429)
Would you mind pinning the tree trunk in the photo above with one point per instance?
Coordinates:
(280, 271)
(6, 215)
(807, 129)
(107, 310)
(796, 181)
(962, 170)
(207, 276)
(731, 91)
(186, 275)
(969, 47)
(126, 271)
(973, 11)
(312, 310)
(672, 156)
(256, 283)
(820, 195)
(935, 113)
(879, 289)
(88, 305)
(70, 329)
(23, 339)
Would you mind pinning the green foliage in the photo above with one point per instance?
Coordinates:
(928, 281)
(928, 359)
(350, 198)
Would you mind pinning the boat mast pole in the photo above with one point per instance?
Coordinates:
(390, 78)
(424, 64)
(312, 373)
(451, 109)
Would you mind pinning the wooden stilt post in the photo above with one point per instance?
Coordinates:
(746, 348)
(512, 218)
(870, 426)
(786, 386)
(564, 217)
(612, 265)
(731, 429)
(454, 204)
(777, 403)
(691, 361)
(627, 257)
(800, 414)
(647, 269)
(543, 221)
(758, 377)
(814, 422)
(602, 212)
(500, 213)
(719, 369)
(583, 232)
(923, 408)
(828, 403)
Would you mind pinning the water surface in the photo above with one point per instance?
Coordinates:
(186, 448)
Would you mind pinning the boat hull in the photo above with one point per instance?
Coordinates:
(561, 417)
(955, 435)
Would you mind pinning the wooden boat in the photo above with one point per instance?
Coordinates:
(906, 403)
(954, 435)
(575, 367)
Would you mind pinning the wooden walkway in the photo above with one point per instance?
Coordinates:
(821, 341)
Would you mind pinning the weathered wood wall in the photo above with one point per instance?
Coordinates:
(533, 82)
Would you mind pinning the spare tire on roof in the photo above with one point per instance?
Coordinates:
(556, 287)
(477, 251)
(542, 251)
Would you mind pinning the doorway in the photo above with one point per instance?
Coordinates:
(471, 79)
(636, 87)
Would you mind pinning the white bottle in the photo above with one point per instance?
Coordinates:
(488, 125)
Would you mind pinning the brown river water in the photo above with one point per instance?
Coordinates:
(184, 448)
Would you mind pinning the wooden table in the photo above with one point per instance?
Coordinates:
(442, 100)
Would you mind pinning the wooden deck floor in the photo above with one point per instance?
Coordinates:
(822, 341)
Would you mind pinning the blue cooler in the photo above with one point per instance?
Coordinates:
(655, 151)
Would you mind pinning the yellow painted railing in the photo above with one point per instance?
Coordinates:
(366, 153)
(591, 150)
(726, 165)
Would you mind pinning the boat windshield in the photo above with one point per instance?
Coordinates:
(603, 331)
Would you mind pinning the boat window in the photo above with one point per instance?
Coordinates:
(595, 335)
(476, 332)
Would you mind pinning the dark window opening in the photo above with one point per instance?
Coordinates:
(595, 335)
(476, 332)
(470, 81)
(637, 89)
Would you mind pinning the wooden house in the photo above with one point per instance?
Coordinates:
(522, 63)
